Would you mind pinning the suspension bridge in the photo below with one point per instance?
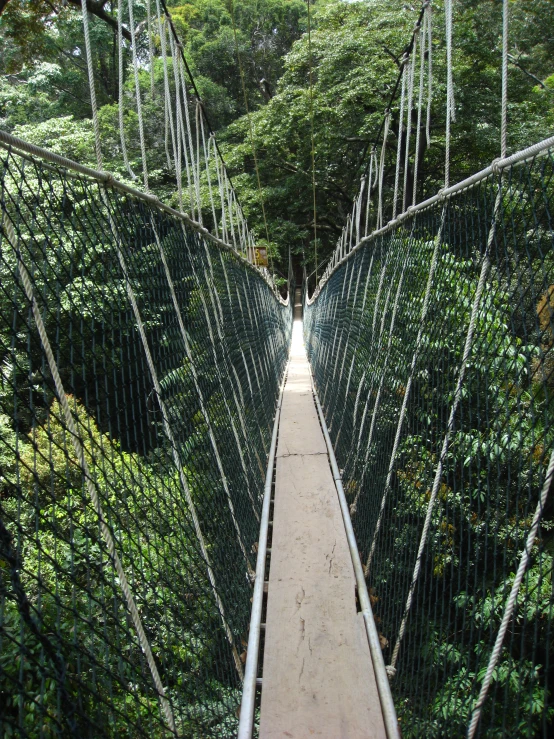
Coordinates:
(225, 512)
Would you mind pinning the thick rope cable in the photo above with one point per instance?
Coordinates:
(405, 73)
(180, 106)
(168, 107)
(120, 89)
(402, 415)
(92, 89)
(370, 186)
(450, 105)
(504, 111)
(411, 77)
(449, 427)
(382, 170)
(198, 116)
(207, 150)
(150, 46)
(88, 477)
(194, 155)
(423, 38)
(512, 599)
(138, 95)
(429, 13)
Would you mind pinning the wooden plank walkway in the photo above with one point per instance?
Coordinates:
(318, 677)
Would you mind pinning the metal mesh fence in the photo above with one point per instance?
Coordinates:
(139, 371)
(432, 351)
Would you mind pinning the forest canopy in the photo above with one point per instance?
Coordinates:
(354, 59)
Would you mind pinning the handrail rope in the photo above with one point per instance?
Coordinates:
(530, 152)
(382, 170)
(504, 111)
(150, 46)
(22, 148)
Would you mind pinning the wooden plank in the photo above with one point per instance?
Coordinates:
(317, 673)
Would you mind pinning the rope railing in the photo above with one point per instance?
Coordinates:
(432, 345)
(140, 366)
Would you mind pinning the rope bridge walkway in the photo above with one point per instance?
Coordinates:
(207, 533)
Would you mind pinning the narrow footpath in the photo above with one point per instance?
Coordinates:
(318, 677)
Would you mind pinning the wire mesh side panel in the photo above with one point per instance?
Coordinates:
(140, 367)
(432, 349)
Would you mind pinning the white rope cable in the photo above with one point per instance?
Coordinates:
(184, 90)
(138, 95)
(359, 206)
(370, 185)
(504, 112)
(411, 77)
(198, 116)
(207, 151)
(150, 46)
(88, 477)
(450, 106)
(405, 73)
(168, 107)
(429, 13)
(180, 132)
(382, 169)
(194, 374)
(120, 90)
(90, 71)
(423, 38)
(402, 415)
(449, 428)
(354, 506)
(512, 599)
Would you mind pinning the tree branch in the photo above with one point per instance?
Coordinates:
(516, 63)
(96, 7)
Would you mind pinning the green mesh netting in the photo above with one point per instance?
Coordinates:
(174, 421)
(386, 338)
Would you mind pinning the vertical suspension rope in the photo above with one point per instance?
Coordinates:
(90, 71)
(405, 72)
(423, 38)
(411, 77)
(138, 94)
(504, 112)
(450, 116)
(382, 169)
(120, 89)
